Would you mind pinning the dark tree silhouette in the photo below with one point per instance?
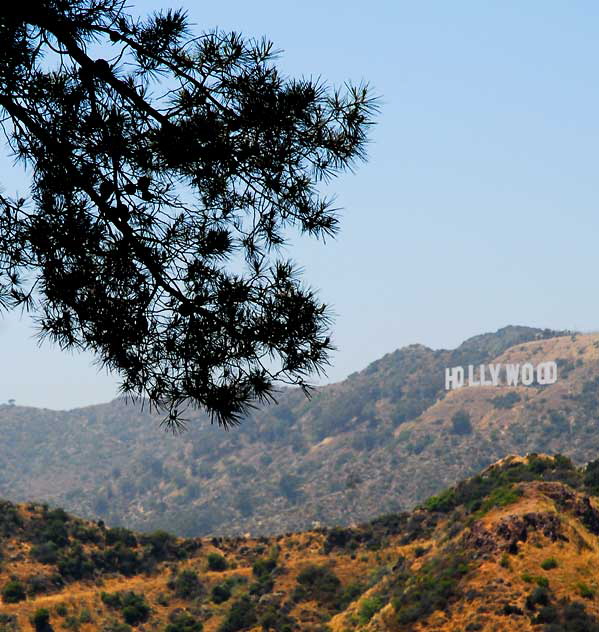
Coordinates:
(165, 180)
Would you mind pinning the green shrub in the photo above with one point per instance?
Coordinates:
(430, 589)
(121, 559)
(216, 562)
(444, 502)
(13, 592)
(72, 623)
(86, 534)
(41, 620)
(85, 616)
(221, 593)
(549, 564)
(183, 622)
(527, 577)
(61, 610)
(460, 423)
(547, 614)
(264, 566)
(318, 583)
(505, 401)
(135, 609)
(161, 545)
(116, 626)
(273, 618)
(350, 593)
(500, 497)
(368, 608)
(112, 600)
(509, 609)
(585, 591)
(538, 597)
(241, 615)
(45, 553)
(186, 585)
(122, 535)
(541, 581)
(74, 563)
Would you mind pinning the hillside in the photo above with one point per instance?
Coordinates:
(513, 549)
(380, 441)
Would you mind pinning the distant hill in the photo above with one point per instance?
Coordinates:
(380, 441)
(514, 549)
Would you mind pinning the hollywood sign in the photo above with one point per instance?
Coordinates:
(491, 374)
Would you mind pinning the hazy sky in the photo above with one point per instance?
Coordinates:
(478, 206)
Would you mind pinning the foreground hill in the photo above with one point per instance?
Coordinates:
(380, 441)
(513, 549)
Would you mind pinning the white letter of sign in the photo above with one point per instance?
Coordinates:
(471, 381)
(511, 373)
(494, 370)
(454, 378)
(483, 380)
(547, 373)
(527, 374)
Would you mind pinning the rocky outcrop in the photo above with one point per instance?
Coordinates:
(511, 530)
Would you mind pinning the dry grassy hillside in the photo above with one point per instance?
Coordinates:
(381, 441)
(514, 548)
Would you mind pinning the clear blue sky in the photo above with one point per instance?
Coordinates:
(478, 206)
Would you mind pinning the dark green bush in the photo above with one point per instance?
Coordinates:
(41, 620)
(318, 583)
(40, 584)
(45, 553)
(119, 559)
(538, 597)
(505, 401)
(368, 608)
(264, 566)
(122, 535)
(549, 564)
(221, 593)
(460, 423)
(186, 585)
(112, 600)
(274, 618)
(13, 592)
(74, 563)
(135, 609)
(183, 622)
(430, 589)
(83, 533)
(242, 615)
(10, 520)
(547, 614)
(591, 475)
(161, 545)
(216, 562)
(509, 609)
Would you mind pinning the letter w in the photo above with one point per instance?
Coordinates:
(512, 372)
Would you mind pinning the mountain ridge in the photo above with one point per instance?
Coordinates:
(382, 440)
(513, 548)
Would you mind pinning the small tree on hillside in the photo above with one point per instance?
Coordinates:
(460, 423)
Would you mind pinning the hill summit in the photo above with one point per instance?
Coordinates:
(514, 548)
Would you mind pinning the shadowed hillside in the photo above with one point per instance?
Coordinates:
(380, 441)
(513, 548)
